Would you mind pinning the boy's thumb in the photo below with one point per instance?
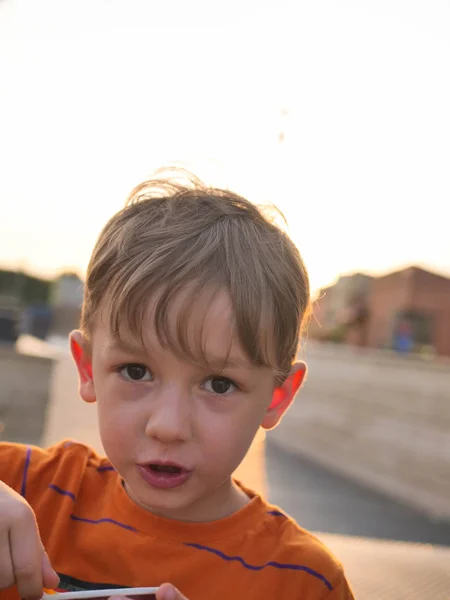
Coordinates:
(168, 592)
(49, 576)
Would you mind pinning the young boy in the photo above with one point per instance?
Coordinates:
(194, 303)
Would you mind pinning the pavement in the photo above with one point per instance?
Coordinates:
(389, 551)
(322, 501)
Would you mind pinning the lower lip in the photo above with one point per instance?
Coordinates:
(163, 481)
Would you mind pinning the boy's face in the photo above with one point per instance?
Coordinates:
(174, 430)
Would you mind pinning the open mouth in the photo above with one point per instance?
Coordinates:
(164, 476)
(166, 469)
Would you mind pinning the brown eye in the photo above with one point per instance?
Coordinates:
(219, 385)
(135, 372)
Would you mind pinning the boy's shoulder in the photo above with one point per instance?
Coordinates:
(26, 467)
(290, 548)
(300, 549)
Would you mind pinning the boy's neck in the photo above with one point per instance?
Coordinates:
(224, 501)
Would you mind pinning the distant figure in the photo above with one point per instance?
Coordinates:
(403, 340)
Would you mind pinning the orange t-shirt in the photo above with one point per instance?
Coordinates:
(97, 537)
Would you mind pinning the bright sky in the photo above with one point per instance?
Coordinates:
(94, 94)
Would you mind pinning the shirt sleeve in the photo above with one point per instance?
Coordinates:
(14, 464)
(29, 469)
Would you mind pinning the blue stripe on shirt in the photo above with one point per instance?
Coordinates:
(98, 521)
(274, 564)
(54, 487)
(23, 489)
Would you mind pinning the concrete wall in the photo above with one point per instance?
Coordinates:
(24, 392)
(377, 418)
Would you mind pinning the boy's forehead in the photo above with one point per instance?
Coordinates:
(209, 325)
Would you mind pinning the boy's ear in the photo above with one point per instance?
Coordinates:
(82, 359)
(284, 395)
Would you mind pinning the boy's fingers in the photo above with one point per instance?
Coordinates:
(6, 567)
(169, 592)
(49, 575)
(26, 555)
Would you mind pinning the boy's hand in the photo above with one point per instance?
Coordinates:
(168, 592)
(23, 560)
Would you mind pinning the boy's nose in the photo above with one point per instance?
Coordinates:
(170, 416)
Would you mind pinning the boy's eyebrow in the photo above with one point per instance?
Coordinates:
(125, 346)
(215, 361)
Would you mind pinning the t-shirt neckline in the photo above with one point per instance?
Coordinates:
(138, 518)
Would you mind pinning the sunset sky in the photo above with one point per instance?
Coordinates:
(95, 94)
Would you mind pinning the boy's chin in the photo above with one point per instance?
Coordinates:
(186, 503)
(162, 502)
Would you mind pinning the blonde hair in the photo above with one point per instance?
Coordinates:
(172, 234)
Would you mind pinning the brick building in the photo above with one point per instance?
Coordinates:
(365, 311)
(413, 296)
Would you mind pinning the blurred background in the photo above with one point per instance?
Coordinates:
(335, 111)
